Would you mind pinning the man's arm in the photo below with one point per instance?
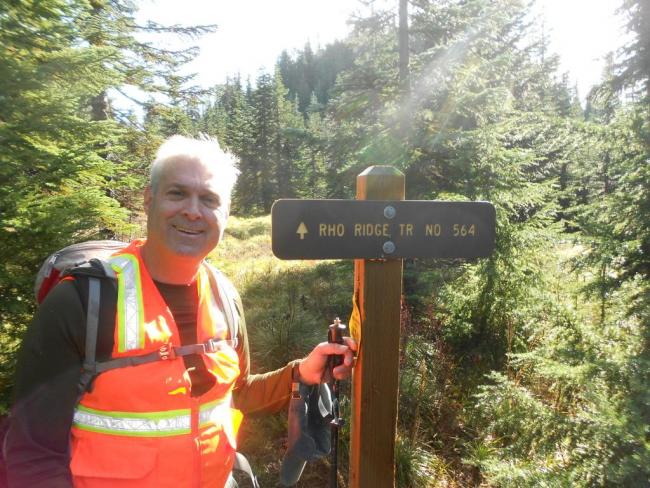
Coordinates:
(260, 393)
(271, 392)
(45, 394)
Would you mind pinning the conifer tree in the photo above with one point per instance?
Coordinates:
(65, 155)
(53, 171)
(581, 384)
(288, 140)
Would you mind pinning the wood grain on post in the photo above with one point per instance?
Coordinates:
(378, 288)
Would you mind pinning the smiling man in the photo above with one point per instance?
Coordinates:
(168, 415)
(187, 205)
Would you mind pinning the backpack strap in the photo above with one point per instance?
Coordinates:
(100, 318)
(166, 352)
(94, 267)
(228, 297)
(92, 331)
(100, 315)
(225, 292)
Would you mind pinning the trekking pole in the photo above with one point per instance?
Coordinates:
(335, 334)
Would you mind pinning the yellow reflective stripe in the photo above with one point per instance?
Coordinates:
(218, 316)
(222, 303)
(215, 412)
(134, 424)
(130, 307)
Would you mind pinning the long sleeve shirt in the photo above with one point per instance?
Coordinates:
(49, 368)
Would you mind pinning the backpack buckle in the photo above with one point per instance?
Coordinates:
(212, 345)
(166, 351)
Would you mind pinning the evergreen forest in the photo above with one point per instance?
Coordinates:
(529, 368)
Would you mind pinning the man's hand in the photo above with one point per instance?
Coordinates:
(312, 368)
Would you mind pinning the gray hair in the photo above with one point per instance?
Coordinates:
(204, 149)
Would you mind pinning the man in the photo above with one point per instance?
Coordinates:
(164, 423)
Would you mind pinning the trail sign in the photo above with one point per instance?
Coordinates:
(355, 229)
(378, 230)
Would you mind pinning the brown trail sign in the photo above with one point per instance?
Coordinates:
(378, 230)
(353, 229)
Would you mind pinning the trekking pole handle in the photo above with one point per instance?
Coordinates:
(335, 335)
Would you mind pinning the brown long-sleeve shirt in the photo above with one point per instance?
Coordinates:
(49, 367)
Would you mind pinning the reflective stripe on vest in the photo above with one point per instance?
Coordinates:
(130, 304)
(214, 412)
(130, 308)
(150, 424)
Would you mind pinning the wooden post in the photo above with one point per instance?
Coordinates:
(378, 291)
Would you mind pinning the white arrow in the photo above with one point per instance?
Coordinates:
(302, 230)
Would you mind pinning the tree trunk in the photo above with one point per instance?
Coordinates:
(99, 106)
(404, 47)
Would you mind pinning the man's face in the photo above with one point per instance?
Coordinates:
(187, 213)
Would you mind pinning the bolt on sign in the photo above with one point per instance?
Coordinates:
(371, 229)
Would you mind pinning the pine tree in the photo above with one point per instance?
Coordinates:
(635, 66)
(288, 140)
(66, 156)
(575, 411)
(53, 172)
(314, 73)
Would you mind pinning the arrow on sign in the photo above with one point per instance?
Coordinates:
(302, 230)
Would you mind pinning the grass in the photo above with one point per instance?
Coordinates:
(244, 254)
(288, 306)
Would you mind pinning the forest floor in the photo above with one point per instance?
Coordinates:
(245, 256)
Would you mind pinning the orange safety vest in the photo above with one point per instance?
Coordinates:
(139, 426)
